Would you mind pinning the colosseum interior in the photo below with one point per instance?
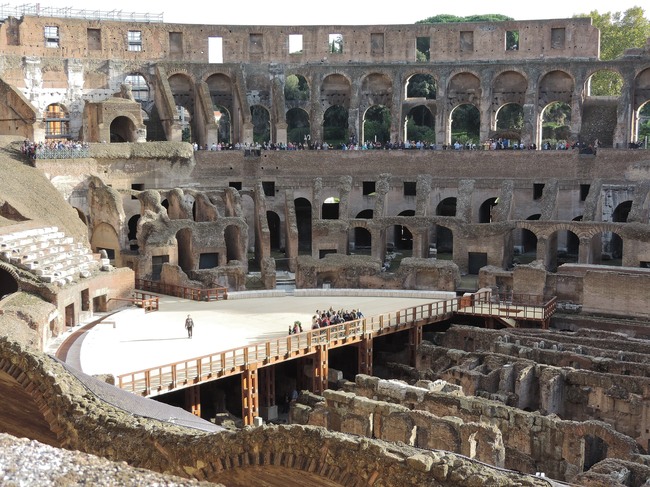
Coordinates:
(140, 158)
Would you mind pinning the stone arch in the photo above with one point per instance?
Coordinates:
(508, 123)
(376, 89)
(298, 126)
(485, 211)
(555, 86)
(360, 239)
(275, 229)
(375, 125)
(304, 224)
(555, 121)
(443, 241)
(524, 245)
(421, 85)
(335, 90)
(335, 125)
(57, 122)
(403, 235)
(420, 124)
(509, 87)
(123, 129)
(139, 86)
(232, 236)
(641, 130)
(185, 249)
(133, 232)
(182, 89)
(105, 237)
(604, 82)
(224, 103)
(296, 89)
(464, 125)
(599, 118)
(447, 207)
(462, 88)
(8, 280)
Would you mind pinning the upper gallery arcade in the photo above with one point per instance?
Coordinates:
(209, 83)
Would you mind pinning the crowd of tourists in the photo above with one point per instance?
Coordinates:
(54, 149)
(327, 317)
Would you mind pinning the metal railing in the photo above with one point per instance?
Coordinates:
(35, 9)
(63, 153)
(194, 294)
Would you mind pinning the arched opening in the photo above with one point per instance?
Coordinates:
(261, 124)
(275, 232)
(123, 130)
(335, 126)
(362, 241)
(564, 247)
(184, 248)
(641, 136)
(376, 125)
(443, 242)
(104, 237)
(524, 246)
(224, 124)
(600, 108)
(446, 207)
(486, 209)
(57, 123)
(133, 232)
(509, 123)
(403, 237)
(296, 88)
(298, 128)
(465, 123)
(330, 209)
(420, 125)
(556, 130)
(232, 237)
(421, 86)
(183, 92)
(303, 222)
(8, 284)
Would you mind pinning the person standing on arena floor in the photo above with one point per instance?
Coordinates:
(189, 325)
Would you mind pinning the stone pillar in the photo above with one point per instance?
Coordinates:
(250, 395)
(584, 251)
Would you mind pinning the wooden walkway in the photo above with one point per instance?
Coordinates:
(168, 377)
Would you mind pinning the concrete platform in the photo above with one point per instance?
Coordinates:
(132, 340)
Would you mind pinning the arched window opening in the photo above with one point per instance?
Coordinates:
(57, 123)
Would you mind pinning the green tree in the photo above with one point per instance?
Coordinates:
(446, 18)
(618, 32)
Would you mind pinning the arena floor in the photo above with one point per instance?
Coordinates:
(132, 340)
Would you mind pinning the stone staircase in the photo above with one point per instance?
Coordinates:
(50, 255)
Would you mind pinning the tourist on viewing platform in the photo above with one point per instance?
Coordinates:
(189, 325)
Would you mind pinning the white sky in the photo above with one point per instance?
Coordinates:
(341, 12)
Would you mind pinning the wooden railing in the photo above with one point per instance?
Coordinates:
(508, 305)
(148, 302)
(164, 378)
(195, 294)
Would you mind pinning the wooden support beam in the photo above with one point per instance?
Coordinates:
(320, 370)
(249, 395)
(415, 340)
(365, 355)
(193, 400)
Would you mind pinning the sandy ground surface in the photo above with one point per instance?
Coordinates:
(132, 340)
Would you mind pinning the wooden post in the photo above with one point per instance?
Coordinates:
(415, 340)
(249, 395)
(193, 400)
(267, 386)
(365, 355)
(319, 383)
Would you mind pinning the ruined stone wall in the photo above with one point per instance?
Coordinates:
(78, 420)
(246, 44)
(532, 442)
